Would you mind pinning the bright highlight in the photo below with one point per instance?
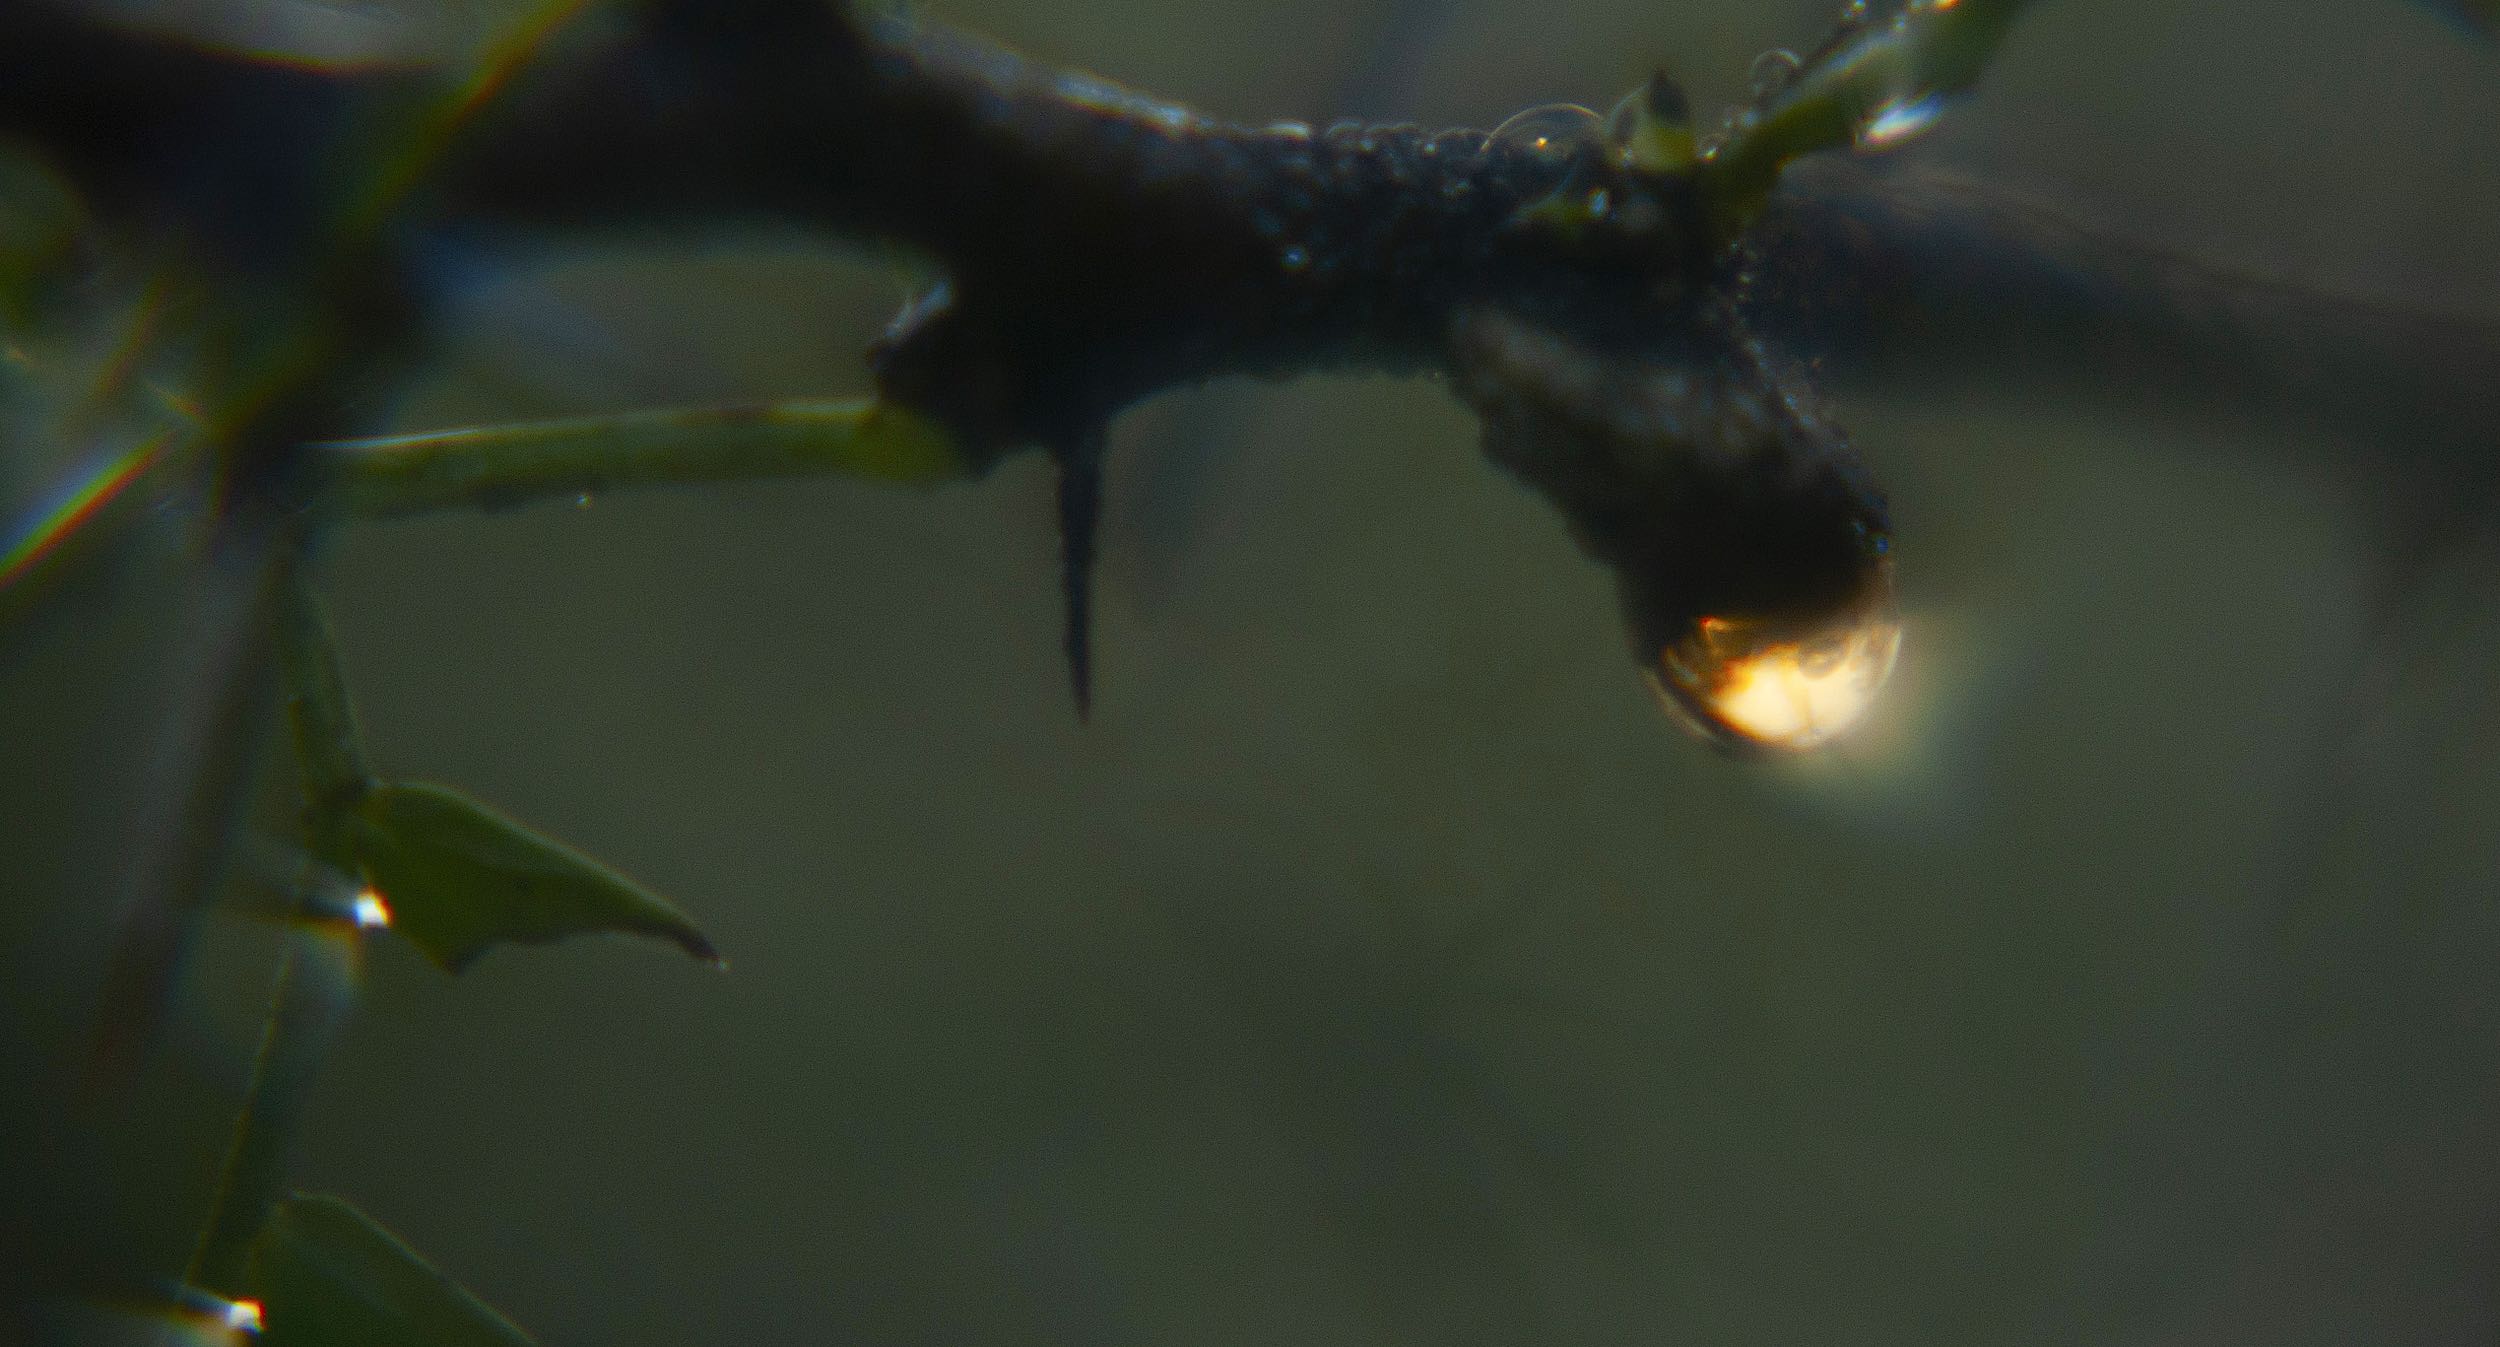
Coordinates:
(1900, 120)
(371, 912)
(1775, 693)
(72, 504)
(242, 1316)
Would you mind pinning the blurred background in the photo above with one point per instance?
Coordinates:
(1380, 966)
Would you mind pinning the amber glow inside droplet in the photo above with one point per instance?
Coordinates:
(1735, 682)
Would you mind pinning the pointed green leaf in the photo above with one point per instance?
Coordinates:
(1884, 77)
(328, 1276)
(495, 466)
(459, 877)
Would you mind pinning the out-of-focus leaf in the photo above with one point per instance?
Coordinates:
(459, 878)
(303, 34)
(39, 217)
(328, 1276)
(1921, 277)
(2478, 16)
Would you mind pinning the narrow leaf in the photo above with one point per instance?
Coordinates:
(1885, 76)
(328, 1276)
(458, 878)
(496, 466)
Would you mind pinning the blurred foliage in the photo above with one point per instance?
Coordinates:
(328, 1276)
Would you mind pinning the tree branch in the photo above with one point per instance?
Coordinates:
(1100, 244)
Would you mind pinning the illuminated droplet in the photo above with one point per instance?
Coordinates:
(370, 911)
(1899, 120)
(1294, 258)
(582, 501)
(1773, 71)
(1750, 684)
(1552, 131)
(243, 1316)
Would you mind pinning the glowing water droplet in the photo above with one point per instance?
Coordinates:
(582, 501)
(243, 1316)
(1601, 203)
(1552, 131)
(1747, 684)
(1899, 120)
(1294, 258)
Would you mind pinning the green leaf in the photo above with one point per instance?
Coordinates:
(490, 467)
(2475, 16)
(1884, 77)
(459, 877)
(327, 1276)
(40, 216)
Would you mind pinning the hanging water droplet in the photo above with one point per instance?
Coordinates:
(1294, 258)
(1747, 684)
(1552, 131)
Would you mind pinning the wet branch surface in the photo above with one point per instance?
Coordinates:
(1633, 334)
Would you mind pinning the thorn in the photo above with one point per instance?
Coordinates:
(1666, 99)
(1080, 515)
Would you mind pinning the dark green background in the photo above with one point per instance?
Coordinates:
(1379, 966)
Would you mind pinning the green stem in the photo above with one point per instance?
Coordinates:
(315, 976)
(329, 744)
(485, 467)
(305, 1014)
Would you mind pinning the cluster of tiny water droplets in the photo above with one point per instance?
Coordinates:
(1332, 194)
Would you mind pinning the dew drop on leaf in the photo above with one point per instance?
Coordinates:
(1551, 131)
